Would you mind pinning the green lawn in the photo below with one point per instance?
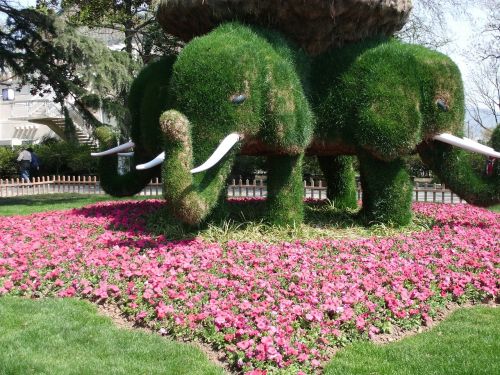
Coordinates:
(495, 208)
(67, 336)
(467, 343)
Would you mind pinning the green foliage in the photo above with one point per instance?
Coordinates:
(43, 50)
(416, 166)
(56, 158)
(135, 19)
(148, 98)
(65, 158)
(467, 342)
(8, 166)
(245, 167)
(85, 342)
(378, 98)
(495, 138)
(69, 128)
(231, 60)
(191, 197)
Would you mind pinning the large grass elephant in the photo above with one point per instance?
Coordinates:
(240, 89)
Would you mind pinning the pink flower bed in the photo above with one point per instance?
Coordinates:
(265, 305)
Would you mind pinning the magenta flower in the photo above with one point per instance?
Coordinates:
(267, 305)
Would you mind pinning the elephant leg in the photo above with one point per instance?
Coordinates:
(387, 191)
(285, 190)
(191, 198)
(340, 180)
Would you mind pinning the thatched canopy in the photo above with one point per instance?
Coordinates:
(313, 24)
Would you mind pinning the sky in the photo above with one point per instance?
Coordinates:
(461, 31)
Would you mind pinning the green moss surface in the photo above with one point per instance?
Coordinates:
(285, 190)
(455, 167)
(191, 197)
(387, 191)
(210, 72)
(381, 96)
(148, 98)
(379, 99)
(120, 185)
(234, 60)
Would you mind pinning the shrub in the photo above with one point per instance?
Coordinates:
(63, 158)
(8, 168)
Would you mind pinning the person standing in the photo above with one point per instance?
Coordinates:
(35, 163)
(24, 161)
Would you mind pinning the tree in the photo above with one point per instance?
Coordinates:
(427, 23)
(484, 97)
(42, 50)
(489, 45)
(135, 19)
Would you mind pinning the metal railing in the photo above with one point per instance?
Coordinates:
(31, 110)
(313, 189)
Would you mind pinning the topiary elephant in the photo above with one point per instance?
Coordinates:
(241, 89)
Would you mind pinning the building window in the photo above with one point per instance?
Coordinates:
(8, 94)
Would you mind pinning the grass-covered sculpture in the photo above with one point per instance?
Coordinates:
(246, 89)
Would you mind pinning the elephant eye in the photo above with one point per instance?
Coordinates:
(442, 105)
(238, 98)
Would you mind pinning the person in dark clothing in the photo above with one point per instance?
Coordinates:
(24, 161)
(35, 163)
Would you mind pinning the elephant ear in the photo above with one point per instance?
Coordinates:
(148, 98)
(288, 116)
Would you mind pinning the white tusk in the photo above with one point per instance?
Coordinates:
(219, 152)
(127, 154)
(468, 145)
(153, 163)
(114, 150)
(472, 142)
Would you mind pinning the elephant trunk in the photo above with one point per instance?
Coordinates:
(463, 172)
(191, 197)
(113, 183)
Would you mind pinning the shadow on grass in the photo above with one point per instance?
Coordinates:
(26, 205)
(237, 220)
(37, 201)
(245, 220)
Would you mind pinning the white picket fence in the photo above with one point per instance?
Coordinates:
(313, 189)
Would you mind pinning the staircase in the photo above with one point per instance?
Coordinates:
(48, 113)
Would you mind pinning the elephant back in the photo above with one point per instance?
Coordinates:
(315, 25)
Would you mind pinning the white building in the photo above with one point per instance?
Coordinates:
(26, 119)
(17, 111)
